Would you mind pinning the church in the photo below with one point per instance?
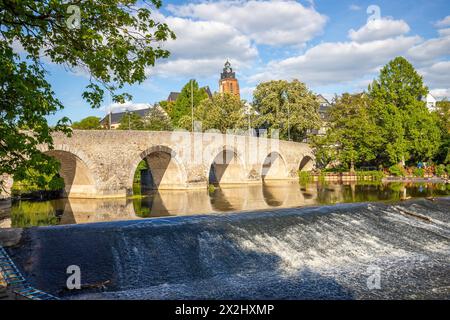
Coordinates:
(228, 82)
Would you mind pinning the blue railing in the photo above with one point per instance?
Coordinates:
(17, 282)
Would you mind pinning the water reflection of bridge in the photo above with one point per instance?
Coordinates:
(268, 196)
(189, 202)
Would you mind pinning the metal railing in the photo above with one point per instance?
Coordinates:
(16, 282)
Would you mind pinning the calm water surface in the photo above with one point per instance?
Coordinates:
(232, 199)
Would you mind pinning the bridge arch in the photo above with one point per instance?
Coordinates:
(226, 166)
(306, 163)
(274, 167)
(165, 167)
(77, 170)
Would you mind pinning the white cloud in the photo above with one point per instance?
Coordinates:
(192, 67)
(431, 49)
(208, 39)
(437, 75)
(443, 23)
(379, 29)
(358, 61)
(208, 33)
(271, 22)
(202, 47)
(444, 32)
(441, 93)
(127, 106)
(338, 62)
(354, 7)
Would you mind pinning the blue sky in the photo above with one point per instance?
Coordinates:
(329, 45)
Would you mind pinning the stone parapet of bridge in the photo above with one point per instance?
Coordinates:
(102, 163)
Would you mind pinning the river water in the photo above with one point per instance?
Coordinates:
(221, 200)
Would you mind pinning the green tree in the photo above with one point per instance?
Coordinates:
(353, 137)
(408, 129)
(89, 123)
(224, 111)
(157, 120)
(442, 115)
(287, 106)
(131, 121)
(29, 183)
(167, 106)
(116, 41)
(182, 106)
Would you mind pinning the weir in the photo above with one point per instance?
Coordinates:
(301, 253)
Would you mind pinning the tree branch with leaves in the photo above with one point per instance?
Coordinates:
(117, 41)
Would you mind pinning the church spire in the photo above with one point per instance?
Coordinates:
(227, 71)
(228, 82)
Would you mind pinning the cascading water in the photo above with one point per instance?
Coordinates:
(348, 251)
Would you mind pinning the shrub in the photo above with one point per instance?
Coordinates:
(372, 175)
(397, 170)
(321, 178)
(337, 169)
(440, 170)
(211, 188)
(27, 185)
(304, 177)
(419, 172)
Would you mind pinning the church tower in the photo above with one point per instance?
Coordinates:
(228, 82)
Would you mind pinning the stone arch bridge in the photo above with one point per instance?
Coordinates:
(96, 164)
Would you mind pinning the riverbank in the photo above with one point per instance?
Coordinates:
(415, 180)
(325, 252)
(375, 176)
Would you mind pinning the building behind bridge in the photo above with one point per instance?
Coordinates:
(116, 118)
